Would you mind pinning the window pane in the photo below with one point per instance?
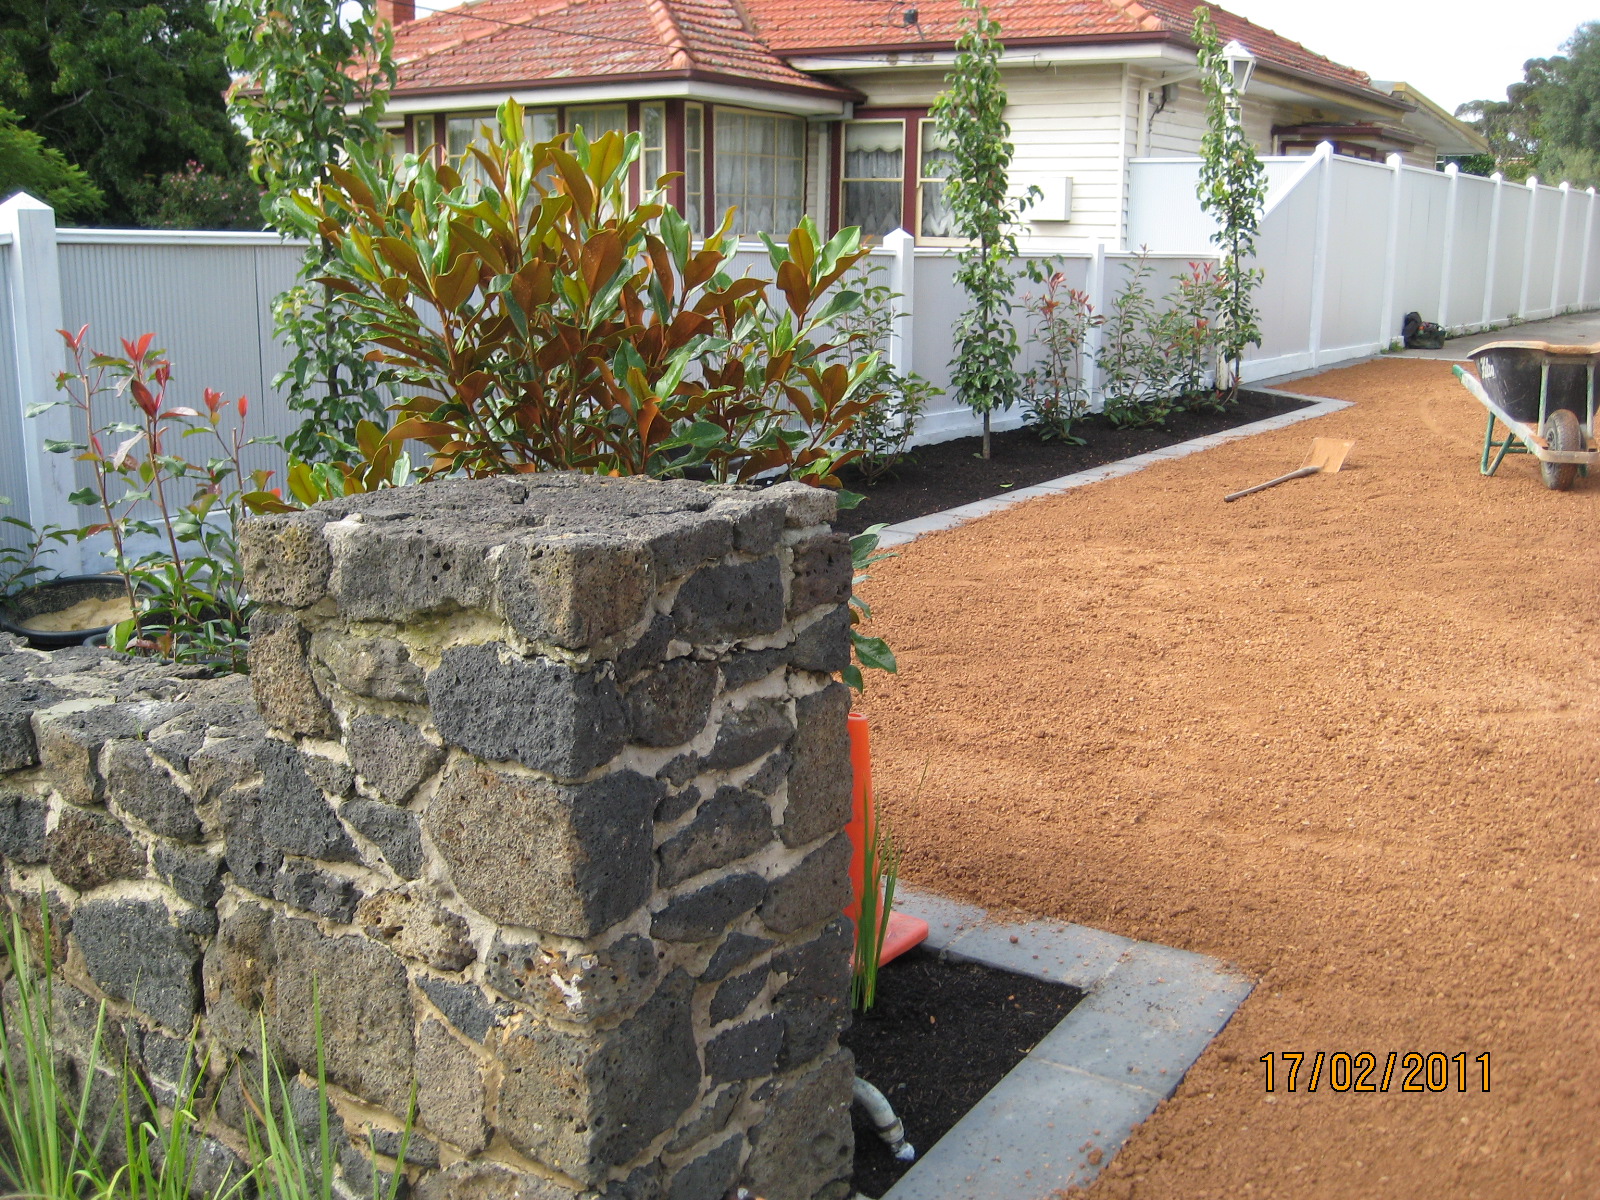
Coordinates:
(872, 205)
(540, 125)
(791, 139)
(935, 152)
(461, 132)
(694, 166)
(598, 119)
(422, 135)
(937, 219)
(653, 133)
(874, 150)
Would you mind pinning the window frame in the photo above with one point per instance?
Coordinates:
(843, 218)
(922, 178)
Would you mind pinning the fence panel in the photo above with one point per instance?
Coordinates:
(1569, 263)
(1285, 253)
(1424, 205)
(1469, 259)
(1516, 208)
(207, 300)
(1540, 264)
(1357, 258)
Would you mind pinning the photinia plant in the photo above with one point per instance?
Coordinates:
(1054, 390)
(177, 554)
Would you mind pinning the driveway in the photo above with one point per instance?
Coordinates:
(1344, 733)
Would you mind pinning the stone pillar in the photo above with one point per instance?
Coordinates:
(550, 818)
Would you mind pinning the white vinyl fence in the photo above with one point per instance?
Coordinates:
(1348, 247)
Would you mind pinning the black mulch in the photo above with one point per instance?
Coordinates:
(949, 474)
(940, 1036)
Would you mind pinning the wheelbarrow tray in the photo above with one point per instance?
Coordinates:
(1514, 374)
(1522, 384)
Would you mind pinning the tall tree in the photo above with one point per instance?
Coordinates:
(127, 91)
(314, 77)
(28, 165)
(971, 118)
(1549, 122)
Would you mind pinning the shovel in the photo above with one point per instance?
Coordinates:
(1326, 457)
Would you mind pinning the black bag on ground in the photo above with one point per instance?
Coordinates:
(1418, 334)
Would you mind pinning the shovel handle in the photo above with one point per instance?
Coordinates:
(1261, 487)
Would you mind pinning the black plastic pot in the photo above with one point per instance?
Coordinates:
(53, 596)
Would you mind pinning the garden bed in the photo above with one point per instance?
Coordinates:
(948, 474)
(941, 1035)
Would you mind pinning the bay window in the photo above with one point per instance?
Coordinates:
(754, 162)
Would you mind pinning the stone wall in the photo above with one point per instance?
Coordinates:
(538, 802)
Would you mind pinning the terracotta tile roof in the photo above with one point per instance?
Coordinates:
(1269, 47)
(797, 30)
(499, 43)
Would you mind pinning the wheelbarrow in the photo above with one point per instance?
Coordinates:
(1544, 395)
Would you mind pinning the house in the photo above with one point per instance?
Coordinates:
(782, 108)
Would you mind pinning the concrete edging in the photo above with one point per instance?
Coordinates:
(908, 531)
(1065, 1110)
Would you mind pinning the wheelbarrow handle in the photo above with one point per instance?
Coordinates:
(1261, 487)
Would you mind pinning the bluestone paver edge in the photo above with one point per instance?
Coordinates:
(903, 532)
(1147, 1014)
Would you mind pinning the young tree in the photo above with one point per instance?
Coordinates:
(1233, 189)
(971, 118)
(28, 165)
(128, 91)
(312, 82)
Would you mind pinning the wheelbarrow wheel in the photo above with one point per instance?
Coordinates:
(1561, 432)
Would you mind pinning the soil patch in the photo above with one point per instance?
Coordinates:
(1342, 733)
(934, 478)
(941, 1035)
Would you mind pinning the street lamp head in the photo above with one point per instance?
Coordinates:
(1241, 64)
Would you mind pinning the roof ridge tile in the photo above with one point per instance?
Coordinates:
(666, 24)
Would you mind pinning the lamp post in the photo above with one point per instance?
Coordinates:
(1241, 64)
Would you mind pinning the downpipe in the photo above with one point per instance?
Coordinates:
(883, 1119)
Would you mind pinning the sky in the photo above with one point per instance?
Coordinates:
(1451, 50)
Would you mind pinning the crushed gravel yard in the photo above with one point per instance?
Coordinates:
(1344, 733)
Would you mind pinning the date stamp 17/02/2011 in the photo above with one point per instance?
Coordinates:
(1344, 1072)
